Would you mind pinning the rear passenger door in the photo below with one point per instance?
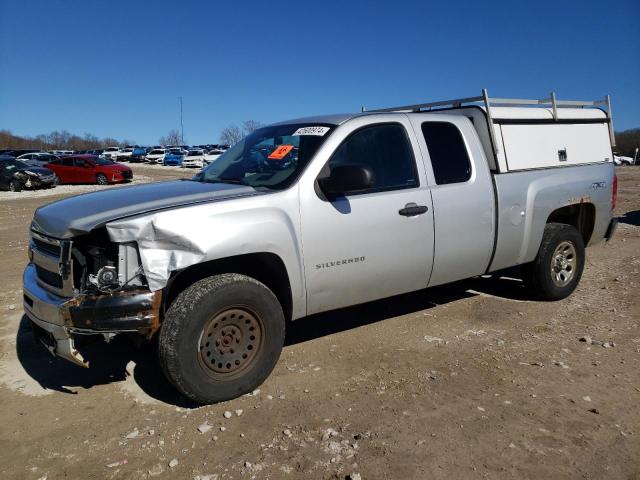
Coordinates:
(64, 170)
(463, 196)
(365, 245)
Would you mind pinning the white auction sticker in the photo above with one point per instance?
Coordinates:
(319, 131)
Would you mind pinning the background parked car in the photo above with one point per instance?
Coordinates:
(89, 169)
(194, 158)
(138, 154)
(16, 175)
(156, 156)
(39, 158)
(212, 155)
(124, 154)
(620, 160)
(174, 157)
(110, 153)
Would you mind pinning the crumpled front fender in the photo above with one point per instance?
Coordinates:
(171, 240)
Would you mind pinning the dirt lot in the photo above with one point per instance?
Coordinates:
(467, 381)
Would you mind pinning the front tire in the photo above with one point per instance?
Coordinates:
(15, 186)
(557, 269)
(221, 338)
(101, 179)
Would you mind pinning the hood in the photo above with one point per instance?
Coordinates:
(80, 214)
(40, 171)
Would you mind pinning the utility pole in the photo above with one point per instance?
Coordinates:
(181, 124)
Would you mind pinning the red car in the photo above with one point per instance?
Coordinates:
(89, 169)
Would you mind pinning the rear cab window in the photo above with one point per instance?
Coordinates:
(447, 151)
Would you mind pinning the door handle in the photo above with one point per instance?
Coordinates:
(411, 210)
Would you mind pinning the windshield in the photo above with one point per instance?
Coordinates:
(194, 153)
(271, 157)
(156, 152)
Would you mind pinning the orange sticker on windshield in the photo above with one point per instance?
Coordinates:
(280, 152)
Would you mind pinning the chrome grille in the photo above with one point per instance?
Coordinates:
(50, 278)
(52, 259)
(47, 247)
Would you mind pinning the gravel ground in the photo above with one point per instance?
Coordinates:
(471, 380)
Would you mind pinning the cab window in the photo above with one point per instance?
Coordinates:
(447, 151)
(386, 150)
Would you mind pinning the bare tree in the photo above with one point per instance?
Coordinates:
(250, 126)
(172, 138)
(231, 135)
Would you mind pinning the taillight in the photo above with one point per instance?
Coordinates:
(614, 193)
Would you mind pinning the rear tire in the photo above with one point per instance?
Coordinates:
(221, 338)
(15, 186)
(557, 269)
(101, 179)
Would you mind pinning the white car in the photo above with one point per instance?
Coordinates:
(193, 158)
(156, 156)
(619, 160)
(212, 155)
(111, 153)
(125, 154)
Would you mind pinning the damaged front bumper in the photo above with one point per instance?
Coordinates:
(58, 319)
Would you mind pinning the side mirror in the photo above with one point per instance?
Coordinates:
(348, 178)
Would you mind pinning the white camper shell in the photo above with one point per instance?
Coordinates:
(533, 134)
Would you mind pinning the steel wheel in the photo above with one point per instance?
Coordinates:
(230, 342)
(563, 263)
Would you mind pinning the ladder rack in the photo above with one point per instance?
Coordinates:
(488, 102)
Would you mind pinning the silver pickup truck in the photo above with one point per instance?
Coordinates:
(320, 213)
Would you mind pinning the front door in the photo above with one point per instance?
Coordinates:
(83, 171)
(372, 244)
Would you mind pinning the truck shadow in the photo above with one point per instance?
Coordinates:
(503, 284)
(631, 218)
(121, 359)
(110, 363)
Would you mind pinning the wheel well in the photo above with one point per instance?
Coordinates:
(580, 215)
(265, 267)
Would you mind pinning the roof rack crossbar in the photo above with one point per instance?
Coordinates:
(489, 102)
(457, 102)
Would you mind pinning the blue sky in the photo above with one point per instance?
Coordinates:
(117, 68)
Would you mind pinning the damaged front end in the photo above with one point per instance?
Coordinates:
(87, 285)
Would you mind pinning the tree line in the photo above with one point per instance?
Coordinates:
(627, 142)
(56, 140)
